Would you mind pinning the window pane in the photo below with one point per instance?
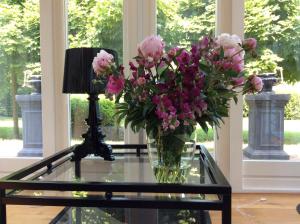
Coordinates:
(94, 23)
(20, 75)
(181, 23)
(276, 25)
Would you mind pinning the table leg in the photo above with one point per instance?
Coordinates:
(78, 169)
(226, 212)
(2, 208)
(78, 213)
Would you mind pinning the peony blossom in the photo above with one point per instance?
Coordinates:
(151, 49)
(250, 43)
(238, 81)
(226, 41)
(115, 84)
(257, 83)
(172, 52)
(102, 62)
(141, 81)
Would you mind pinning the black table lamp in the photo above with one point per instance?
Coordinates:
(78, 79)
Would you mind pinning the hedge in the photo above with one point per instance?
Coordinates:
(292, 109)
(79, 110)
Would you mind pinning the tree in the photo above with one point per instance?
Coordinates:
(96, 24)
(182, 22)
(276, 26)
(19, 37)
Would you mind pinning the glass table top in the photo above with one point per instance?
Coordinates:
(127, 168)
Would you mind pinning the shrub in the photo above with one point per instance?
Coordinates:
(201, 136)
(245, 109)
(107, 109)
(292, 109)
(8, 133)
(79, 110)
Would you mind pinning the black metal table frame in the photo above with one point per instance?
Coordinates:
(13, 182)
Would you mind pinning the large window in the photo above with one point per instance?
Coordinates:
(20, 75)
(93, 23)
(276, 25)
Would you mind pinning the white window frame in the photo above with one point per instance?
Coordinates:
(54, 103)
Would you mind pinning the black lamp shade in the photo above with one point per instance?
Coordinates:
(78, 73)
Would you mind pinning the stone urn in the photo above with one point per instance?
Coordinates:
(35, 83)
(269, 79)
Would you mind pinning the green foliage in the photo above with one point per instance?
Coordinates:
(20, 45)
(292, 109)
(8, 132)
(276, 26)
(245, 109)
(201, 136)
(182, 22)
(108, 110)
(267, 62)
(79, 110)
(96, 24)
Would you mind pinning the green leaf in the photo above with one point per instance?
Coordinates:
(204, 68)
(235, 98)
(161, 69)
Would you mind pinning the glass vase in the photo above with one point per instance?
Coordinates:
(171, 157)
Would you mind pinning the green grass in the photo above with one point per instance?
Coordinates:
(290, 137)
(201, 136)
(8, 132)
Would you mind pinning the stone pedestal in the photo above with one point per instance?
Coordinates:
(31, 109)
(266, 126)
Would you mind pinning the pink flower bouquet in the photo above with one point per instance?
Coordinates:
(174, 90)
(169, 92)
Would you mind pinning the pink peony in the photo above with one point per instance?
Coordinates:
(257, 83)
(115, 84)
(141, 81)
(236, 57)
(237, 81)
(102, 62)
(238, 67)
(151, 48)
(172, 52)
(250, 43)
